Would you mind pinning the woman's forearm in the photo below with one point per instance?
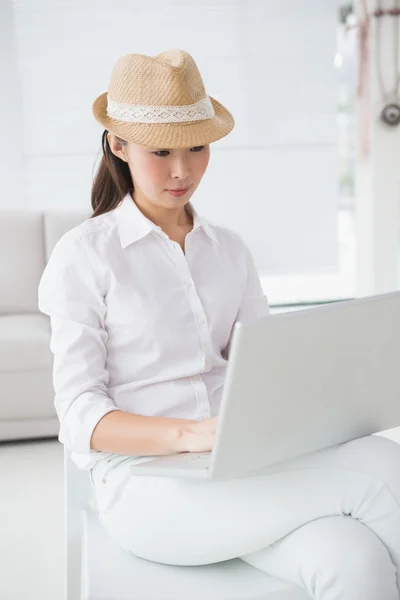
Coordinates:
(137, 435)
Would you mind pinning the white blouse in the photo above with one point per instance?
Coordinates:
(140, 326)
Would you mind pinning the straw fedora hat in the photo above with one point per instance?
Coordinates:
(160, 102)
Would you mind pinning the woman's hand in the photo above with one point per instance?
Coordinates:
(197, 436)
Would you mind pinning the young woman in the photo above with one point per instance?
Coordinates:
(142, 298)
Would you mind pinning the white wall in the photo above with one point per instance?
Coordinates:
(273, 179)
(11, 116)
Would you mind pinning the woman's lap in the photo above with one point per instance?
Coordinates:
(190, 522)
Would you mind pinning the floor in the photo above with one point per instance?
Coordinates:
(31, 520)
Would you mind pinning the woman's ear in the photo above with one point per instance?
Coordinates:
(116, 147)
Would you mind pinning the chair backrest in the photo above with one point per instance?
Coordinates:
(77, 495)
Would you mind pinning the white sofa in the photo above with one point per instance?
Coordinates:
(27, 239)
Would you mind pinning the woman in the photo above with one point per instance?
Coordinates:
(143, 297)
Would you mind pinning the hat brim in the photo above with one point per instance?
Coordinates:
(167, 135)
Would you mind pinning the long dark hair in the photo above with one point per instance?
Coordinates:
(112, 180)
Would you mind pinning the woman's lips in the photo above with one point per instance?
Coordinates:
(179, 192)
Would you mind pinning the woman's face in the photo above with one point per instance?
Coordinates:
(155, 171)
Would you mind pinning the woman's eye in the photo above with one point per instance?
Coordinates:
(162, 153)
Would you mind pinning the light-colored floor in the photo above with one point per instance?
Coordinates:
(31, 520)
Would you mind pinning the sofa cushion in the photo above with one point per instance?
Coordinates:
(24, 343)
(22, 260)
(26, 396)
(56, 223)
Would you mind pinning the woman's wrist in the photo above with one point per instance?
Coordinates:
(184, 434)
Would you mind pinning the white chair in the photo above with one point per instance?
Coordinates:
(97, 569)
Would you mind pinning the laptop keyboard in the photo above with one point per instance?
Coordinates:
(200, 458)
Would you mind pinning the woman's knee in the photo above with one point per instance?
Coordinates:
(332, 558)
(344, 559)
(380, 457)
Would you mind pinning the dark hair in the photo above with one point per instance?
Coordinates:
(112, 181)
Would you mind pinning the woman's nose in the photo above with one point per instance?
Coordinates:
(180, 169)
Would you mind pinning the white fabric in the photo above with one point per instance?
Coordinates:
(25, 428)
(328, 522)
(24, 343)
(139, 326)
(134, 113)
(114, 574)
(25, 395)
(22, 260)
(58, 222)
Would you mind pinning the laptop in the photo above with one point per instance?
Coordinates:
(298, 382)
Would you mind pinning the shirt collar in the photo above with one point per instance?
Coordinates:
(133, 225)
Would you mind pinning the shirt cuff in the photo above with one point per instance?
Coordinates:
(77, 426)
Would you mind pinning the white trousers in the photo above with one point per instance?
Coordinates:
(329, 521)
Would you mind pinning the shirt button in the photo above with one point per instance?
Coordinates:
(188, 284)
(202, 320)
(204, 409)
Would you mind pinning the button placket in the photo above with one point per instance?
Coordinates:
(183, 269)
(201, 394)
(196, 306)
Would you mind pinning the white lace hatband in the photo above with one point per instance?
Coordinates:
(134, 113)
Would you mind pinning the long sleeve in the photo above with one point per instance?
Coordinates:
(70, 293)
(254, 305)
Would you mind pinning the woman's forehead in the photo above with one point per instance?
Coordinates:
(159, 149)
